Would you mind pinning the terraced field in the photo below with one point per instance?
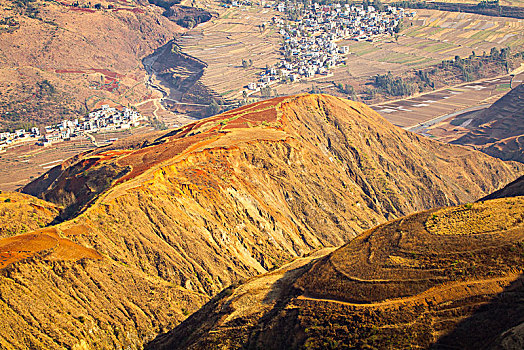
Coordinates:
(428, 38)
(432, 36)
(225, 41)
(465, 31)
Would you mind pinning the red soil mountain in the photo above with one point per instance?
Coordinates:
(177, 216)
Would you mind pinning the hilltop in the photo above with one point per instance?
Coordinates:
(440, 279)
(154, 226)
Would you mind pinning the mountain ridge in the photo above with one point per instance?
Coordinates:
(187, 212)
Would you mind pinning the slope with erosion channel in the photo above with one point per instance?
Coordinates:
(177, 75)
(177, 216)
(448, 278)
(22, 213)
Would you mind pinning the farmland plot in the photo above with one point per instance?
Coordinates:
(236, 35)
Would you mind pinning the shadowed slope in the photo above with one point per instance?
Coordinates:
(516, 188)
(408, 283)
(498, 130)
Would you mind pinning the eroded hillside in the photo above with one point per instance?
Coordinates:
(23, 213)
(440, 279)
(155, 226)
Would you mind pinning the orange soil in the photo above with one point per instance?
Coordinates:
(76, 230)
(17, 248)
(145, 158)
(142, 159)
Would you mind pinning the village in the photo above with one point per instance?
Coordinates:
(105, 119)
(310, 39)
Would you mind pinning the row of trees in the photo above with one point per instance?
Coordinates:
(472, 67)
(347, 89)
(394, 86)
(466, 69)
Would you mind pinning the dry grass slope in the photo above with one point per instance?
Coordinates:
(21, 213)
(179, 215)
(396, 286)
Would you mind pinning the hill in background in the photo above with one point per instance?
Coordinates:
(59, 61)
(497, 130)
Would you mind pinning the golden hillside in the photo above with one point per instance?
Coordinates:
(405, 284)
(155, 226)
(21, 213)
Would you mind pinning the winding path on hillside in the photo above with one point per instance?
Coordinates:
(464, 289)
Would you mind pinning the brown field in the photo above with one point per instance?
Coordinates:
(224, 41)
(422, 109)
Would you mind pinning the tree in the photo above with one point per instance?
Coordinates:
(265, 91)
(398, 28)
(213, 108)
(379, 6)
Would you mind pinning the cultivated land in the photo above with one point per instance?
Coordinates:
(501, 2)
(21, 163)
(433, 37)
(422, 111)
(497, 130)
(430, 37)
(225, 41)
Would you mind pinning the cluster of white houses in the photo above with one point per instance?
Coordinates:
(105, 119)
(20, 135)
(310, 40)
